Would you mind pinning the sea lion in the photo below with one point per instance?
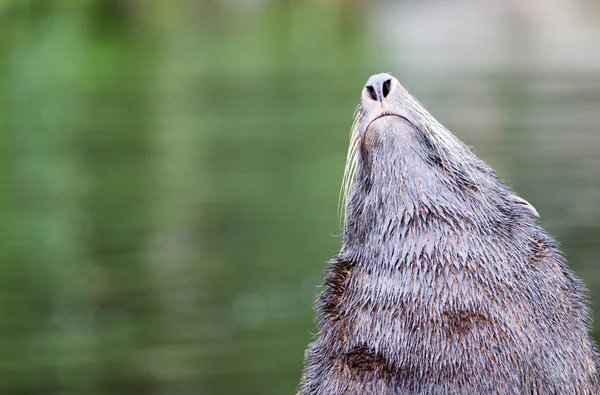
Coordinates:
(445, 283)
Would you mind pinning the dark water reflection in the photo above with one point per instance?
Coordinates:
(171, 172)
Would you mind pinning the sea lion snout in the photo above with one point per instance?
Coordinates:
(378, 87)
(382, 95)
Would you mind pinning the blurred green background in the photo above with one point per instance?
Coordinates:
(170, 169)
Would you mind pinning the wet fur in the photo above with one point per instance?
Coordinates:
(445, 284)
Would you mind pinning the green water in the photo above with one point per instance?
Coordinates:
(170, 174)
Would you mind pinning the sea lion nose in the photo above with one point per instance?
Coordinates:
(378, 86)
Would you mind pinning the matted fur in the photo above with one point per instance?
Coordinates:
(445, 283)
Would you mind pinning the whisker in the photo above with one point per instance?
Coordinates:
(351, 164)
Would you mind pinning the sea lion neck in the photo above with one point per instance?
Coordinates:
(398, 182)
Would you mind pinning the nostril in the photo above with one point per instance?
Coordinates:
(372, 93)
(386, 87)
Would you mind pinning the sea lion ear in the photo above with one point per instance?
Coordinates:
(528, 206)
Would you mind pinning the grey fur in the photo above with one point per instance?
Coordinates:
(444, 284)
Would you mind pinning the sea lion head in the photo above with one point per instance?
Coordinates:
(401, 158)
